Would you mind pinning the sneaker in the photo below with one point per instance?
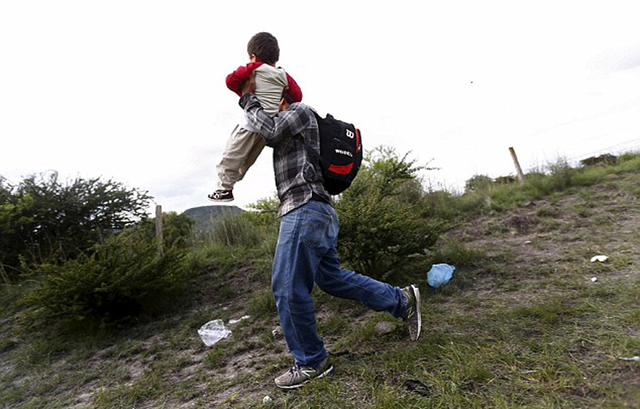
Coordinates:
(412, 315)
(221, 196)
(299, 375)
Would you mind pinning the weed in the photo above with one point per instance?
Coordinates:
(262, 304)
(334, 324)
(548, 211)
(454, 252)
(216, 357)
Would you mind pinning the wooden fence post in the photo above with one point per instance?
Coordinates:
(515, 162)
(159, 228)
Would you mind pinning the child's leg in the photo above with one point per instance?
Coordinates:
(258, 145)
(236, 153)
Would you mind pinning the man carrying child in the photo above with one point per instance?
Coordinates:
(306, 252)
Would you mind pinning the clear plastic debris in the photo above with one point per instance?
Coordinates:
(244, 317)
(633, 358)
(601, 258)
(212, 332)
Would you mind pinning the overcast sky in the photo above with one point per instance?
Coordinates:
(134, 90)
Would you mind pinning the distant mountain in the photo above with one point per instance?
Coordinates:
(205, 216)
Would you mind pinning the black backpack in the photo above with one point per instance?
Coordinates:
(340, 153)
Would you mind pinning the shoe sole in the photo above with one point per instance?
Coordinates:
(416, 292)
(220, 200)
(322, 375)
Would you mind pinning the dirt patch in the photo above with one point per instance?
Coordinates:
(522, 223)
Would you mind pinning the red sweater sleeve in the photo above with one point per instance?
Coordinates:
(295, 93)
(239, 76)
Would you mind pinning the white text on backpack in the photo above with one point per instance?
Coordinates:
(347, 153)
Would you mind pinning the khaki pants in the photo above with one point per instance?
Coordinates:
(241, 151)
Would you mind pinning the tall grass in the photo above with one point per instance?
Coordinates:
(236, 230)
(487, 196)
(234, 238)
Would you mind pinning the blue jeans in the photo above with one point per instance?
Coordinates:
(306, 254)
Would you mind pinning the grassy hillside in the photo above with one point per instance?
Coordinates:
(528, 321)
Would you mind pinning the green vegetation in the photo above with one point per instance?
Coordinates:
(381, 220)
(42, 218)
(122, 278)
(483, 194)
(523, 323)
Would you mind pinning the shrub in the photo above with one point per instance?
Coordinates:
(177, 230)
(606, 159)
(562, 175)
(478, 183)
(381, 222)
(42, 217)
(264, 213)
(124, 277)
(629, 162)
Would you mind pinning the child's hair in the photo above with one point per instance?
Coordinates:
(265, 47)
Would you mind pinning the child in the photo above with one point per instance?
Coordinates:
(245, 143)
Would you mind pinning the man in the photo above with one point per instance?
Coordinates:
(306, 250)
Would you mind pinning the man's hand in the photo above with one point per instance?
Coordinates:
(284, 105)
(249, 86)
(284, 102)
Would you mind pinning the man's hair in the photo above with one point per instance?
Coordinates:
(265, 47)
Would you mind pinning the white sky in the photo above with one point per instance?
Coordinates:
(134, 90)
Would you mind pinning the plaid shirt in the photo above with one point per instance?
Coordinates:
(298, 178)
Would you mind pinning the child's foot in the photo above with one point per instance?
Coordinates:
(221, 196)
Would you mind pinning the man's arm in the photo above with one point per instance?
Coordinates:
(285, 124)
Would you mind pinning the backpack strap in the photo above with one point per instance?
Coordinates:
(315, 156)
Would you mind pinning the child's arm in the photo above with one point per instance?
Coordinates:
(239, 76)
(295, 93)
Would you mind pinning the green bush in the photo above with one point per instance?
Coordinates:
(122, 278)
(264, 213)
(42, 217)
(177, 230)
(381, 217)
(478, 182)
(264, 216)
(629, 162)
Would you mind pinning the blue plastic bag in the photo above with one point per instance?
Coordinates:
(440, 274)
